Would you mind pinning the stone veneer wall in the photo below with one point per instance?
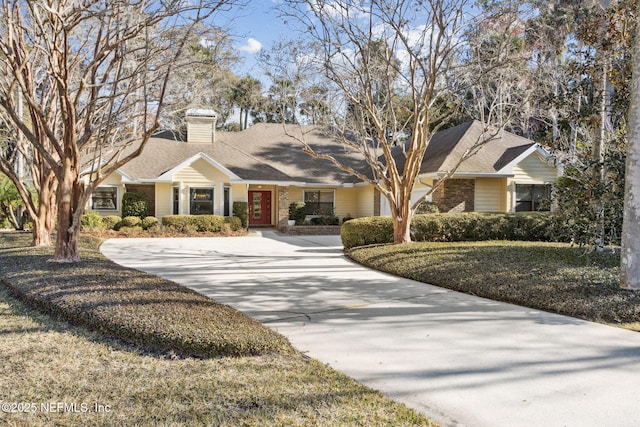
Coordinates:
(376, 202)
(455, 195)
(283, 207)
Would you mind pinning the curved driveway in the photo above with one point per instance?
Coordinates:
(462, 360)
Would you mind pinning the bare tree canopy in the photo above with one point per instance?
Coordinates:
(404, 69)
(85, 82)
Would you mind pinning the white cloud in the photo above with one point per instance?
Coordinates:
(252, 46)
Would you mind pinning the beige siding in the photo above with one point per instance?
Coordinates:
(356, 201)
(163, 199)
(490, 195)
(238, 193)
(201, 130)
(346, 200)
(296, 194)
(200, 172)
(532, 170)
(365, 198)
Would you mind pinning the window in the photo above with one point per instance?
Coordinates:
(176, 200)
(318, 202)
(531, 197)
(201, 201)
(104, 199)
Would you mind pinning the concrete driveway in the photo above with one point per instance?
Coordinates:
(462, 360)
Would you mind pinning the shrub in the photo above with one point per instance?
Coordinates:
(130, 221)
(241, 210)
(111, 222)
(150, 223)
(235, 224)
(92, 220)
(193, 223)
(366, 231)
(134, 204)
(327, 217)
(456, 227)
(297, 212)
(427, 208)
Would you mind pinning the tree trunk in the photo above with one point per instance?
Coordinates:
(43, 223)
(630, 256)
(68, 195)
(401, 230)
(401, 217)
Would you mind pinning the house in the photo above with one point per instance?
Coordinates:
(268, 169)
(508, 173)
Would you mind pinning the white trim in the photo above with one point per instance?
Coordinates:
(467, 175)
(168, 176)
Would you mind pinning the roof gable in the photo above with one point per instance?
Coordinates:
(168, 175)
(507, 167)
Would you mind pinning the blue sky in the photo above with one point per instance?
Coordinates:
(255, 27)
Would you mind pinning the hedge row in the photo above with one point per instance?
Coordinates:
(450, 227)
(180, 223)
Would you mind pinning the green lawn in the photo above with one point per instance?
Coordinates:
(48, 363)
(553, 277)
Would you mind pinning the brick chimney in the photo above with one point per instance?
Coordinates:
(201, 125)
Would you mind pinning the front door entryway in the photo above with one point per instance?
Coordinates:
(260, 207)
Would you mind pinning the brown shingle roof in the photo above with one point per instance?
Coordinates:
(265, 153)
(261, 153)
(449, 145)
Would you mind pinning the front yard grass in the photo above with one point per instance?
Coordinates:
(47, 363)
(54, 373)
(553, 277)
(133, 306)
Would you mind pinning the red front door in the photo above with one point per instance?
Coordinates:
(259, 207)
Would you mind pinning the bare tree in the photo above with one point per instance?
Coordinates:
(30, 173)
(630, 259)
(93, 76)
(397, 66)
